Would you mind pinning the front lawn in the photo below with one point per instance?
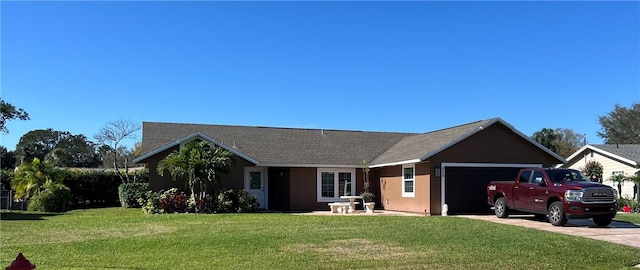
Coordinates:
(115, 238)
(628, 217)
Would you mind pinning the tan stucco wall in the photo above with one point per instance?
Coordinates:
(390, 182)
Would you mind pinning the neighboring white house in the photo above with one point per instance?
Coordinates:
(614, 158)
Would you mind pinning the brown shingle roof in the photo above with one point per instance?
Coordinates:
(270, 146)
(279, 146)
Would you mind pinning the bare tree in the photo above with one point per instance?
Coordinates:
(112, 134)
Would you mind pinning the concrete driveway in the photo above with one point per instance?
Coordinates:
(617, 232)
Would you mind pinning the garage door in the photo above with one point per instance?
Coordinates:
(466, 187)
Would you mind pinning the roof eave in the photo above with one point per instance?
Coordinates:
(395, 163)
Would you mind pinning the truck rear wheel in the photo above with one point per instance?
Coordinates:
(556, 214)
(602, 221)
(500, 207)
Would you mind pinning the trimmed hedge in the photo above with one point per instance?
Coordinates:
(95, 188)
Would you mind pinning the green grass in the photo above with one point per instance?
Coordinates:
(115, 238)
(628, 217)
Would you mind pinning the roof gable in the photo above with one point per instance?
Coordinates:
(423, 146)
(625, 153)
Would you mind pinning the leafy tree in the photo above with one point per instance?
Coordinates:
(7, 158)
(74, 151)
(60, 148)
(112, 135)
(31, 177)
(10, 112)
(37, 144)
(593, 170)
(568, 142)
(198, 163)
(621, 126)
(561, 141)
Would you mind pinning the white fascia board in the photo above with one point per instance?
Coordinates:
(309, 166)
(192, 137)
(395, 163)
(579, 151)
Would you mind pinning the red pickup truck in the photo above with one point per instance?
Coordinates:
(558, 193)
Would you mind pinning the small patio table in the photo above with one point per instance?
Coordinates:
(352, 202)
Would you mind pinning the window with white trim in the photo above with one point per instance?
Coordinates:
(333, 183)
(408, 180)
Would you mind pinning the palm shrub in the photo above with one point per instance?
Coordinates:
(198, 163)
(30, 178)
(618, 179)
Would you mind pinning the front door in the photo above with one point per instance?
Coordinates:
(255, 182)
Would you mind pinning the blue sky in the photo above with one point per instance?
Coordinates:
(375, 66)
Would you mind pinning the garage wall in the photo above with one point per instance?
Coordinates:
(495, 144)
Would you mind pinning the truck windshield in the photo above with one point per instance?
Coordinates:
(559, 176)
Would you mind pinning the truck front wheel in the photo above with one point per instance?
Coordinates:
(602, 221)
(500, 207)
(556, 214)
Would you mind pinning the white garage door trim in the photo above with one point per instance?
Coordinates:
(443, 174)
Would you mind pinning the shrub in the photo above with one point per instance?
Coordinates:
(150, 202)
(204, 205)
(129, 193)
(172, 201)
(633, 203)
(232, 201)
(54, 198)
